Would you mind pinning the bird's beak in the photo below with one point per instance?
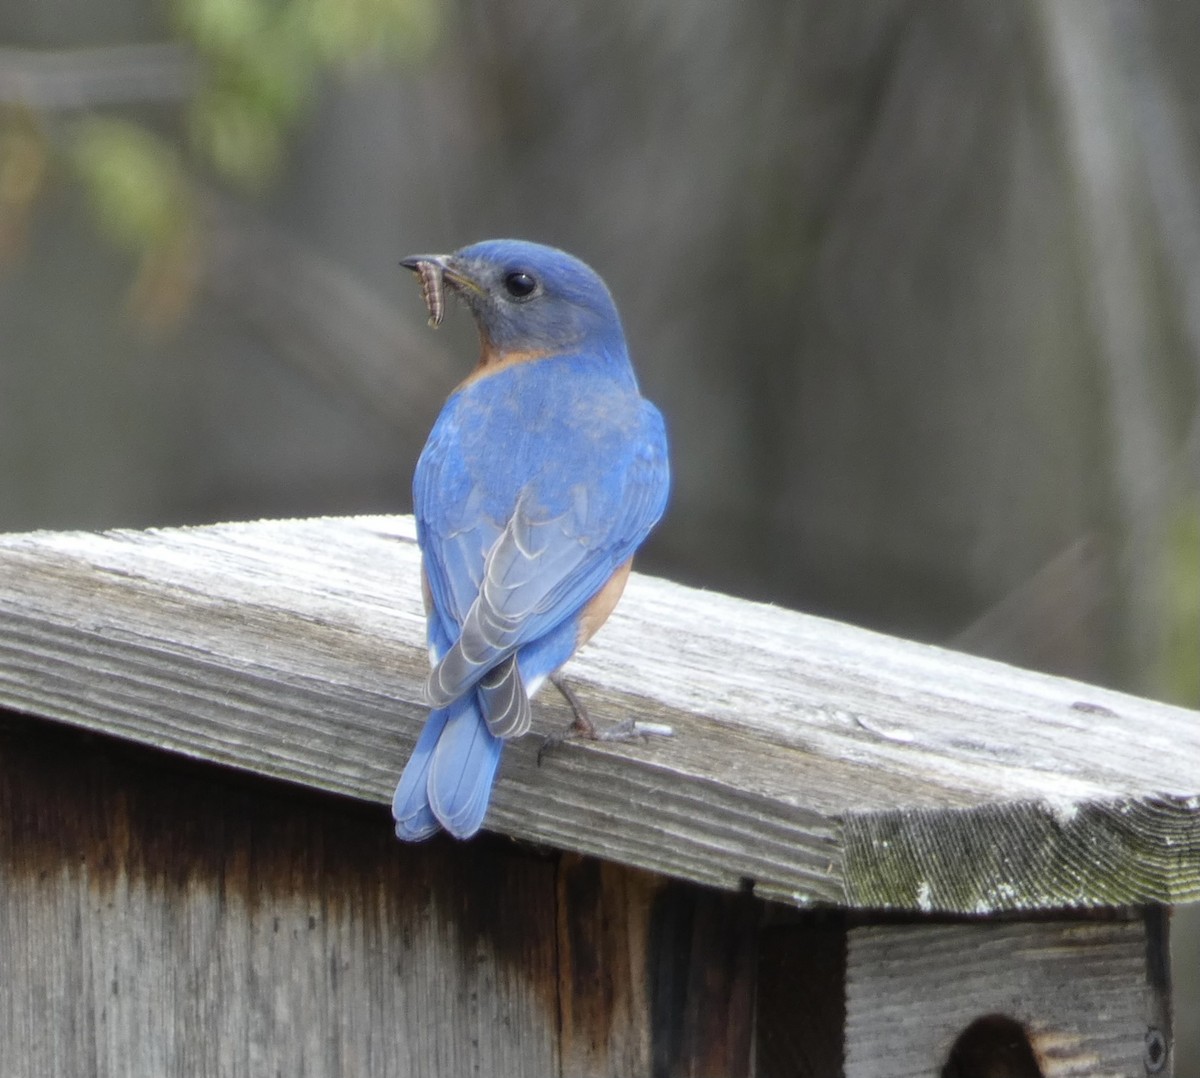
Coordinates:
(451, 270)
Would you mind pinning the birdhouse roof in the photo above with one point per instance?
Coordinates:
(812, 761)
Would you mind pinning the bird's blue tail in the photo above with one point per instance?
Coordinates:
(448, 779)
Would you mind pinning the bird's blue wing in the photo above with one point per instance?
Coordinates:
(542, 570)
(453, 529)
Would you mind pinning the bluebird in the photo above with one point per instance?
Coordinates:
(544, 472)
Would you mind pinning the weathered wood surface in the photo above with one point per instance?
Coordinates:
(160, 917)
(1089, 997)
(820, 762)
(163, 920)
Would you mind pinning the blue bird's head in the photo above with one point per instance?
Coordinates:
(525, 298)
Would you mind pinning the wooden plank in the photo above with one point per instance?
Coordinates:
(603, 939)
(656, 977)
(817, 762)
(163, 918)
(702, 963)
(159, 916)
(1049, 999)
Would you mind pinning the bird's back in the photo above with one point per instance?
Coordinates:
(542, 430)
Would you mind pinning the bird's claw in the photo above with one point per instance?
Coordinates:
(582, 727)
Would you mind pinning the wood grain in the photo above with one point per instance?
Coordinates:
(163, 918)
(656, 977)
(1083, 992)
(817, 762)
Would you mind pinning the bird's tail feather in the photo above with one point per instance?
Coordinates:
(447, 781)
(463, 769)
(410, 804)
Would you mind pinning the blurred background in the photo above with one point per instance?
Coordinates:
(917, 286)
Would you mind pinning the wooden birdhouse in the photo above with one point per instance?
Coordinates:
(856, 856)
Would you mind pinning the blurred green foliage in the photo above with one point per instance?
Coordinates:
(262, 60)
(258, 66)
(135, 180)
(1179, 675)
(143, 202)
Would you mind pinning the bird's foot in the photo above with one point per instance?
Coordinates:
(583, 727)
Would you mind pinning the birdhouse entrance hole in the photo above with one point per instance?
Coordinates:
(993, 1044)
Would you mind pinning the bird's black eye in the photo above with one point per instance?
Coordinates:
(519, 284)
